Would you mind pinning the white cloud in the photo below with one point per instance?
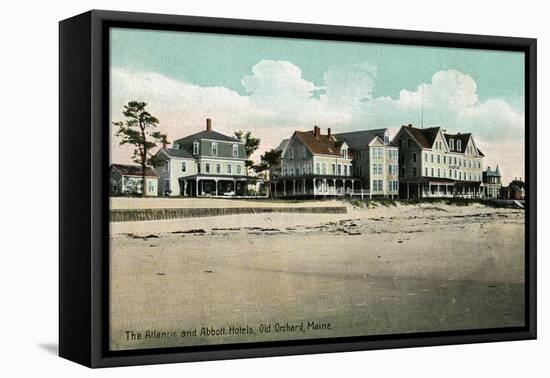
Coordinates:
(279, 100)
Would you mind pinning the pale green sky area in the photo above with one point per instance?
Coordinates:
(222, 60)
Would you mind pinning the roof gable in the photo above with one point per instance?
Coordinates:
(358, 139)
(208, 134)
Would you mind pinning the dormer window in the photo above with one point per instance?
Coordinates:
(452, 144)
(459, 145)
(386, 139)
(214, 149)
(345, 153)
(176, 146)
(195, 148)
(235, 151)
(304, 153)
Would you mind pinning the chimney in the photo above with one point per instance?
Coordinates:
(329, 132)
(410, 125)
(316, 131)
(208, 124)
(164, 144)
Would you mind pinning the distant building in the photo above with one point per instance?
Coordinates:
(375, 160)
(206, 163)
(312, 165)
(434, 163)
(515, 190)
(128, 180)
(491, 183)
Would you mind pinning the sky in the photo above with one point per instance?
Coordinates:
(273, 86)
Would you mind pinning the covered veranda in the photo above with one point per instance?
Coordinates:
(316, 186)
(437, 187)
(213, 186)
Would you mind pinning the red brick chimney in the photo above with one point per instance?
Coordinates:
(164, 144)
(316, 131)
(329, 131)
(208, 124)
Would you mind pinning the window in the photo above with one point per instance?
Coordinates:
(455, 160)
(235, 151)
(218, 168)
(350, 170)
(459, 145)
(214, 149)
(386, 139)
(229, 169)
(414, 171)
(377, 169)
(150, 186)
(176, 146)
(303, 153)
(432, 157)
(452, 144)
(433, 172)
(408, 142)
(195, 148)
(460, 175)
(339, 169)
(344, 153)
(392, 169)
(345, 170)
(377, 185)
(392, 154)
(444, 159)
(426, 171)
(166, 166)
(207, 168)
(333, 168)
(318, 168)
(426, 156)
(184, 166)
(414, 157)
(438, 172)
(239, 169)
(324, 168)
(438, 159)
(291, 153)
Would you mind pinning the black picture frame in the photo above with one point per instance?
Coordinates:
(84, 208)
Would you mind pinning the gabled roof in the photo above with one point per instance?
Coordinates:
(179, 153)
(464, 138)
(357, 139)
(133, 170)
(424, 137)
(207, 134)
(490, 173)
(321, 144)
(282, 145)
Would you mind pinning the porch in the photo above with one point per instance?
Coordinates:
(317, 186)
(428, 187)
(213, 186)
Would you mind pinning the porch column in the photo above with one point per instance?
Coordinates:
(197, 187)
(429, 189)
(216, 181)
(304, 188)
(185, 188)
(235, 187)
(407, 190)
(324, 187)
(352, 186)
(293, 187)
(334, 183)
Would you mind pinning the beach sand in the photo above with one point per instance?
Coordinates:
(263, 277)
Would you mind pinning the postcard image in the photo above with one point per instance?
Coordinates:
(269, 189)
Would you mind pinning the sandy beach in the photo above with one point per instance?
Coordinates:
(262, 277)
